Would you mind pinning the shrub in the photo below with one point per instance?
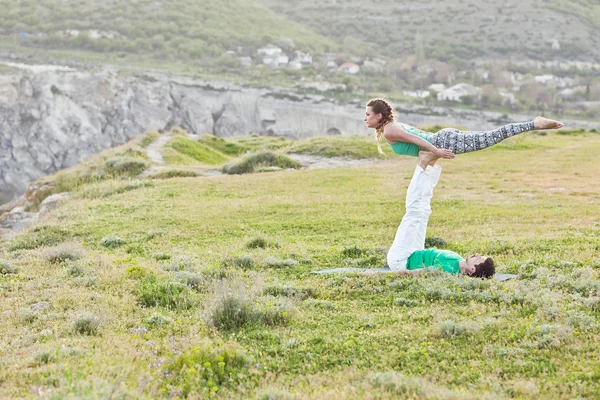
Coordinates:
(175, 174)
(155, 292)
(158, 319)
(353, 251)
(402, 302)
(86, 324)
(7, 268)
(243, 262)
(136, 272)
(39, 237)
(232, 311)
(207, 367)
(112, 242)
(450, 329)
(180, 263)
(254, 162)
(190, 279)
(75, 270)
(62, 253)
(273, 262)
(125, 166)
(257, 243)
(161, 256)
(289, 291)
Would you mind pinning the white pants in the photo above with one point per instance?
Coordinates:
(411, 232)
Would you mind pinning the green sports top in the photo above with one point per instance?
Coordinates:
(409, 149)
(445, 260)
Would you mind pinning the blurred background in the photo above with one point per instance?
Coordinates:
(77, 77)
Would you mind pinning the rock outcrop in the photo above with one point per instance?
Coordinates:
(55, 117)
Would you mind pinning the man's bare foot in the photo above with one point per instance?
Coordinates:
(427, 158)
(545, 123)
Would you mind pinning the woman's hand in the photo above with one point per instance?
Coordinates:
(443, 153)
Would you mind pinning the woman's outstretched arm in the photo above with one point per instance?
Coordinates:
(395, 133)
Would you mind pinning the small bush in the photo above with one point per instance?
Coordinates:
(161, 256)
(257, 243)
(275, 394)
(207, 368)
(136, 272)
(155, 292)
(450, 329)
(175, 174)
(402, 302)
(254, 162)
(43, 358)
(288, 291)
(396, 383)
(180, 263)
(157, 319)
(87, 324)
(39, 237)
(190, 279)
(148, 139)
(125, 166)
(232, 312)
(74, 270)
(243, 262)
(62, 253)
(275, 312)
(112, 242)
(353, 252)
(7, 268)
(273, 262)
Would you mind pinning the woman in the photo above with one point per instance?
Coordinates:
(407, 140)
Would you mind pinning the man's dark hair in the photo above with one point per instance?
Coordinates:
(484, 270)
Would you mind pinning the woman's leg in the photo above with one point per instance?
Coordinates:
(465, 142)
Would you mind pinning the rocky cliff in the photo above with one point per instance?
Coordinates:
(55, 117)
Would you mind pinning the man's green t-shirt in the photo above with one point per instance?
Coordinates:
(445, 260)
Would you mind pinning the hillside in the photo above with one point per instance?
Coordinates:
(182, 29)
(201, 286)
(455, 30)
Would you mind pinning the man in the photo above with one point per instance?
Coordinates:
(408, 256)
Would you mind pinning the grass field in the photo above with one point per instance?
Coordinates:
(201, 286)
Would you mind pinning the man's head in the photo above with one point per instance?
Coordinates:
(478, 266)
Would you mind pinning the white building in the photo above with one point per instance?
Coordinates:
(419, 94)
(437, 87)
(295, 64)
(544, 79)
(304, 58)
(245, 61)
(350, 68)
(269, 50)
(457, 92)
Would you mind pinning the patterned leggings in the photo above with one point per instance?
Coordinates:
(465, 142)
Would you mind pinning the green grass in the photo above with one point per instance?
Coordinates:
(198, 151)
(129, 324)
(351, 147)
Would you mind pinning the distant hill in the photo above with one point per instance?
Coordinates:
(454, 30)
(179, 29)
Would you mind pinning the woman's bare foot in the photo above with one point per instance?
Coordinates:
(427, 158)
(545, 123)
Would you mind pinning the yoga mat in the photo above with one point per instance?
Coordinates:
(497, 277)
